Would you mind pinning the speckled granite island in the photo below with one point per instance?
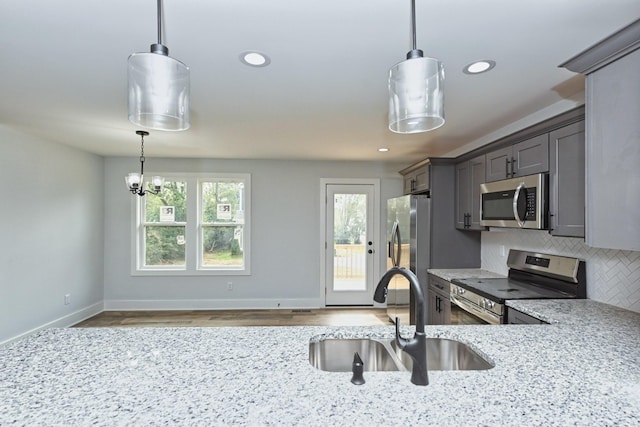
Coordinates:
(583, 369)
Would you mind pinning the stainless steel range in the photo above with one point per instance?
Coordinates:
(531, 276)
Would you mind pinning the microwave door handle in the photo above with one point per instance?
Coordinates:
(516, 196)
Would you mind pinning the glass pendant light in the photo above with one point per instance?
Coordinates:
(159, 87)
(416, 90)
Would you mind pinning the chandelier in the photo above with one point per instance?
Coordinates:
(135, 180)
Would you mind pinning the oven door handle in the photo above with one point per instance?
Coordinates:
(516, 197)
(469, 307)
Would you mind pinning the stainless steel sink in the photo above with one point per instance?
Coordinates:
(336, 355)
(446, 355)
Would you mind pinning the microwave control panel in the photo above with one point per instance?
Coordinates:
(531, 205)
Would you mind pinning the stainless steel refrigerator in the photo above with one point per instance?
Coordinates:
(408, 245)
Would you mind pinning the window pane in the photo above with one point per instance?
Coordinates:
(164, 246)
(222, 246)
(223, 201)
(169, 205)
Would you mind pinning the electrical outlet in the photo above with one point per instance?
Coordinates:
(229, 286)
(67, 299)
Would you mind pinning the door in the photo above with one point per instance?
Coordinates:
(566, 181)
(499, 164)
(476, 177)
(531, 156)
(462, 195)
(350, 245)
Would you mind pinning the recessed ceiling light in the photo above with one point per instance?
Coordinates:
(383, 149)
(478, 67)
(255, 59)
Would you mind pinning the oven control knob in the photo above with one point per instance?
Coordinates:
(490, 304)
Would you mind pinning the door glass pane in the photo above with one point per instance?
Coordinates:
(349, 245)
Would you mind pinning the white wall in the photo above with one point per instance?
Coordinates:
(285, 230)
(613, 276)
(51, 223)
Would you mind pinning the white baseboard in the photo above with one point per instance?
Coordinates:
(210, 304)
(62, 322)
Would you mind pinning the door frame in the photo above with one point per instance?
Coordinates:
(323, 224)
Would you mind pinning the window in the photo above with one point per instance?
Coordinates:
(197, 224)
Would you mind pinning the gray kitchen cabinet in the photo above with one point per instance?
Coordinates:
(438, 302)
(567, 180)
(612, 139)
(524, 158)
(516, 317)
(469, 175)
(416, 180)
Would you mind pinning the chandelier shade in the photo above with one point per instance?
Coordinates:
(416, 95)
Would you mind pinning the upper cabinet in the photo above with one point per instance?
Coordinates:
(524, 158)
(566, 180)
(469, 175)
(612, 139)
(416, 178)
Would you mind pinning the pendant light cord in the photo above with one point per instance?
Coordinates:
(159, 48)
(413, 22)
(414, 52)
(160, 23)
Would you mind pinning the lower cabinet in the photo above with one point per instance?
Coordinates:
(438, 302)
(515, 317)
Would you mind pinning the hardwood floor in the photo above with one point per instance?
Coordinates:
(343, 316)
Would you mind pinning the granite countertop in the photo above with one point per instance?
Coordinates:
(464, 273)
(583, 370)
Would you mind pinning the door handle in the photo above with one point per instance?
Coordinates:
(508, 161)
(516, 198)
(513, 167)
(397, 250)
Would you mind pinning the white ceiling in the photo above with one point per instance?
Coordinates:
(63, 72)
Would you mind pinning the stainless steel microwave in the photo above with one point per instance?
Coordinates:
(517, 202)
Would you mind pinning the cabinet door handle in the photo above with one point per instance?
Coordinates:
(513, 167)
(438, 304)
(506, 167)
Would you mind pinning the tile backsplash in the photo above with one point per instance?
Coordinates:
(613, 276)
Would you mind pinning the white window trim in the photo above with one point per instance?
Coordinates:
(193, 230)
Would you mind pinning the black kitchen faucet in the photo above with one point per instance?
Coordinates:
(415, 347)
